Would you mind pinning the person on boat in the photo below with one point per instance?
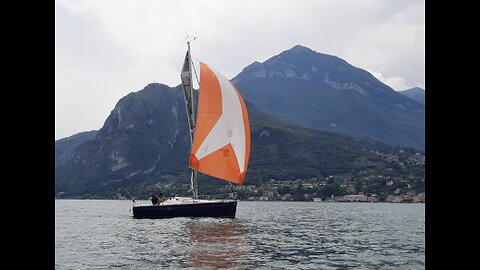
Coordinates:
(161, 198)
(154, 199)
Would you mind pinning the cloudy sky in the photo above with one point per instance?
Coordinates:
(105, 49)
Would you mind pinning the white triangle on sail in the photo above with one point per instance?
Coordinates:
(230, 128)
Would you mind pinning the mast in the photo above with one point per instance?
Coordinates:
(187, 83)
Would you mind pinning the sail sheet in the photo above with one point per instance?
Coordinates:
(221, 143)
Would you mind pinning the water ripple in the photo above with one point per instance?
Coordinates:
(95, 234)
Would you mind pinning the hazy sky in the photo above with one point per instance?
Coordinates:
(105, 49)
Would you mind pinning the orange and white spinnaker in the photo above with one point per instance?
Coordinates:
(221, 143)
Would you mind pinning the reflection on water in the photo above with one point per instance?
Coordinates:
(93, 234)
(215, 243)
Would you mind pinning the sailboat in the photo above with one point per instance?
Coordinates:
(220, 144)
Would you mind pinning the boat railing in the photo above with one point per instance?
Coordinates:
(220, 196)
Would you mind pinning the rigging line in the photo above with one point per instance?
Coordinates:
(195, 72)
(130, 196)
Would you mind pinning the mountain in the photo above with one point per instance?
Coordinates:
(66, 145)
(144, 136)
(416, 93)
(324, 92)
(144, 145)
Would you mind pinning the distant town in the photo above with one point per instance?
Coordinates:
(298, 190)
(400, 180)
(315, 190)
(371, 185)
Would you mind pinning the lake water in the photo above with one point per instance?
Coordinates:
(102, 234)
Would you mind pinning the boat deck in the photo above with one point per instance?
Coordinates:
(185, 200)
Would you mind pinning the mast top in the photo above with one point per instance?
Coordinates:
(188, 39)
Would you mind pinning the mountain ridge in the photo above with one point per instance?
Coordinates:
(65, 145)
(325, 92)
(415, 93)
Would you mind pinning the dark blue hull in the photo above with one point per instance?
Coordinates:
(214, 209)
